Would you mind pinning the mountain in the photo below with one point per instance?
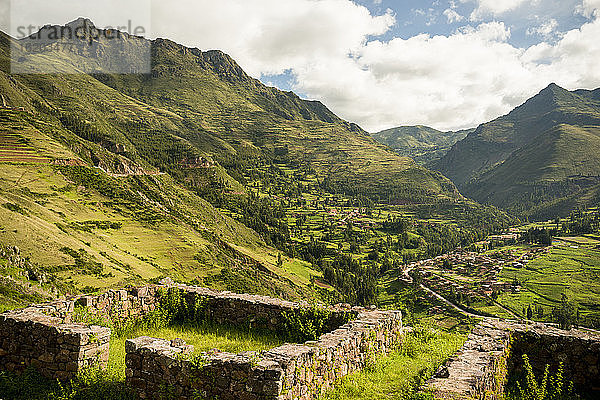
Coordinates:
(540, 160)
(208, 104)
(422, 143)
(108, 178)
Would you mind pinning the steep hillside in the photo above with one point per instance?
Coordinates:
(85, 229)
(200, 172)
(540, 159)
(211, 89)
(204, 104)
(422, 143)
(95, 192)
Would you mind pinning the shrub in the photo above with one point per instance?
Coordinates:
(177, 309)
(422, 396)
(303, 324)
(82, 315)
(90, 384)
(15, 208)
(550, 387)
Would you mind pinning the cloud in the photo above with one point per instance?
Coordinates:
(547, 30)
(589, 8)
(495, 7)
(335, 51)
(271, 36)
(453, 16)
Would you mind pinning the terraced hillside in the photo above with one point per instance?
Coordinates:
(15, 148)
(176, 173)
(205, 106)
(84, 229)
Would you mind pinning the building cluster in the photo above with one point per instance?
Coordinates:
(474, 274)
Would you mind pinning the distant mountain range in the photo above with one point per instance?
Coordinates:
(422, 143)
(540, 160)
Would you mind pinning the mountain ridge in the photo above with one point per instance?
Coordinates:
(422, 143)
(175, 156)
(544, 146)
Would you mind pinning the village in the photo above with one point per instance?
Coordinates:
(470, 277)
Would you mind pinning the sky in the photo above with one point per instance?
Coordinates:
(449, 64)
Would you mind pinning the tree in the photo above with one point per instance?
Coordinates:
(566, 314)
(529, 313)
(447, 264)
(539, 311)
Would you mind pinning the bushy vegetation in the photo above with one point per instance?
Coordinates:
(306, 324)
(581, 222)
(566, 315)
(15, 208)
(90, 384)
(550, 386)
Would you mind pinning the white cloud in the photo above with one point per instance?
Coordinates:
(330, 46)
(495, 7)
(547, 30)
(271, 36)
(453, 16)
(333, 51)
(589, 8)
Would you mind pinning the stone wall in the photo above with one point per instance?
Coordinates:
(579, 351)
(494, 350)
(43, 336)
(57, 350)
(257, 312)
(124, 304)
(158, 368)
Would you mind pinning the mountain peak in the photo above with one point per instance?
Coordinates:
(547, 100)
(81, 21)
(553, 88)
(555, 91)
(80, 28)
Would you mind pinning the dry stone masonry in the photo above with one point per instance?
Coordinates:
(158, 367)
(45, 337)
(57, 350)
(495, 348)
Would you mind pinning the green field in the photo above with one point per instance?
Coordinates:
(570, 269)
(203, 336)
(93, 235)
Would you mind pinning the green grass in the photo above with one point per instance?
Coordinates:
(399, 375)
(94, 384)
(493, 309)
(190, 243)
(565, 269)
(203, 336)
